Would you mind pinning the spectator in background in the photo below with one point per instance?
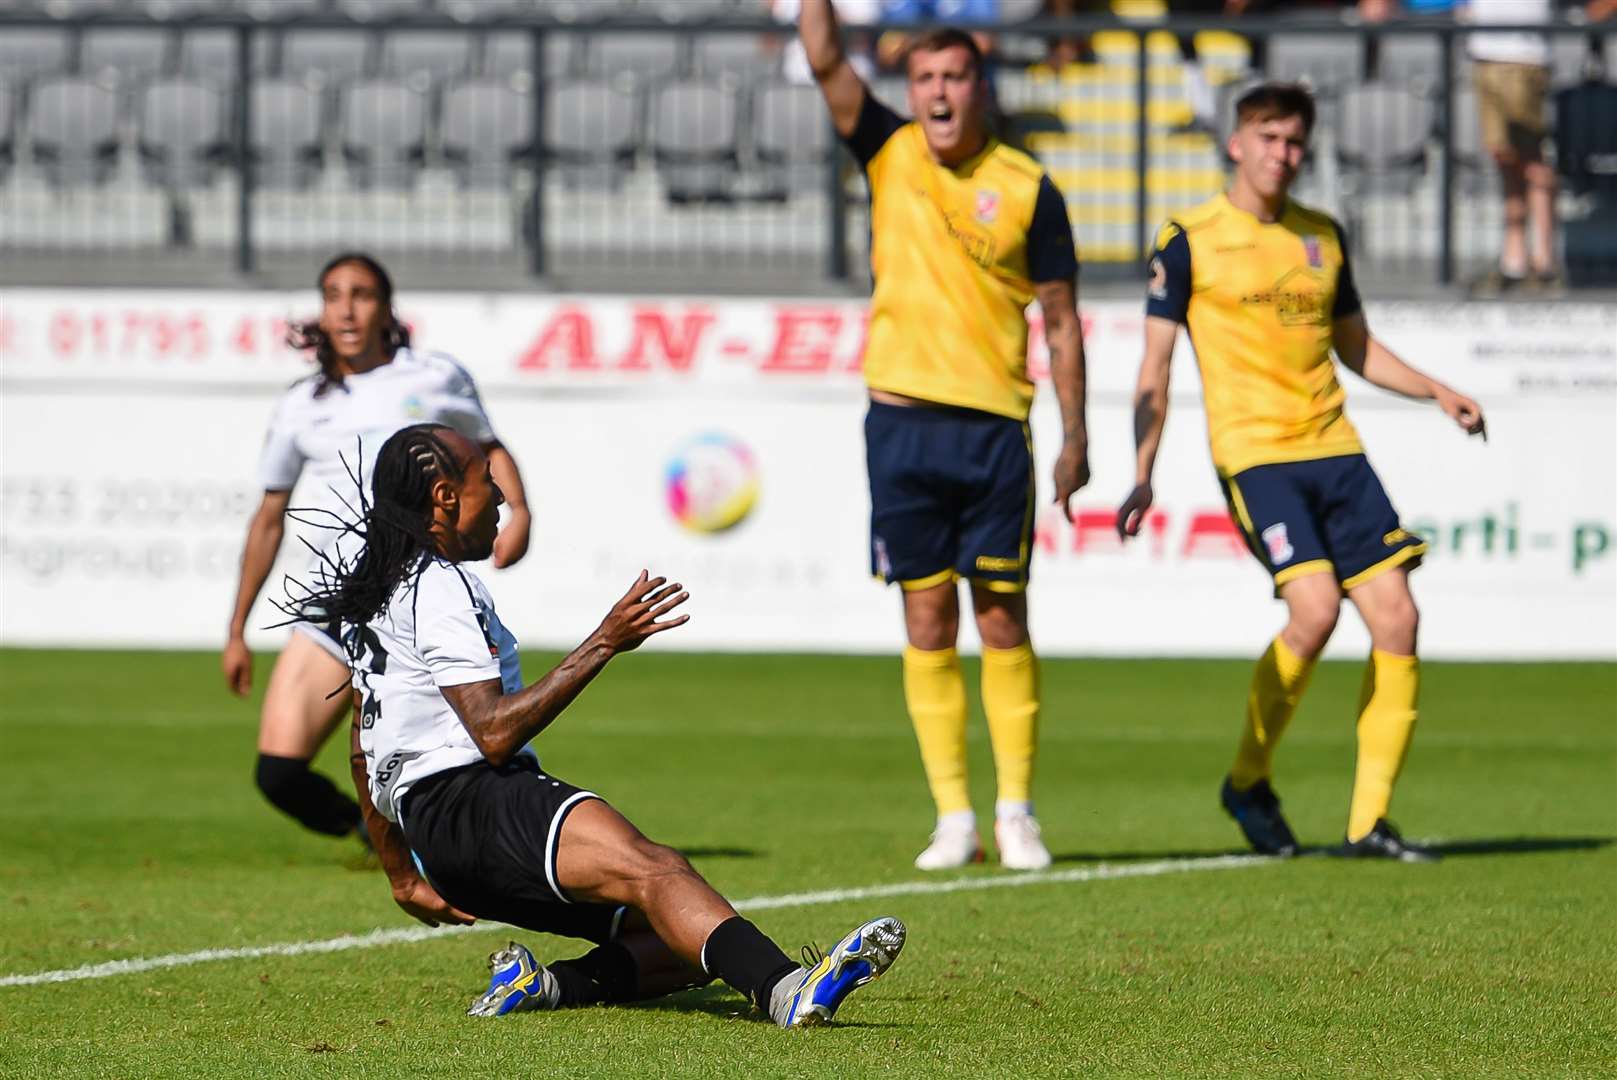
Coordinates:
(1512, 77)
(861, 50)
(892, 47)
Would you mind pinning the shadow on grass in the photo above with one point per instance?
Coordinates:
(1522, 845)
(1143, 856)
(717, 852)
(723, 1003)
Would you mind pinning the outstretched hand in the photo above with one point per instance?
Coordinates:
(1464, 412)
(421, 901)
(634, 618)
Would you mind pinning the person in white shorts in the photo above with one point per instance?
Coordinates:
(327, 429)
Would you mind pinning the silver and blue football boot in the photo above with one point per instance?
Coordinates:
(858, 958)
(517, 983)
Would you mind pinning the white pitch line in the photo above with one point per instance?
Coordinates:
(1102, 872)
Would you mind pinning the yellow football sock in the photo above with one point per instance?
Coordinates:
(1388, 705)
(1011, 703)
(935, 693)
(1278, 683)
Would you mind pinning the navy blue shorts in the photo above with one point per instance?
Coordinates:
(1328, 514)
(951, 496)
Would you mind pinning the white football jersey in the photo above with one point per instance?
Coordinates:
(1510, 47)
(438, 629)
(320, 431)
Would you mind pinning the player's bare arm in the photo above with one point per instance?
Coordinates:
(512, 543)
(1150, 416)
(1367, 357)
(502, 724)
(411, 891)
(822, 41)
(264, 534)
(1063, 333)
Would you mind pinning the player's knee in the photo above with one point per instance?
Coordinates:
(1399, 624)
(1311, 627)
(648, 864)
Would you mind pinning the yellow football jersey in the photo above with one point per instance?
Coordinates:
(955, 254)
(1259, 301)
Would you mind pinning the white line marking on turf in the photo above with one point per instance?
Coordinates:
(1101, 872)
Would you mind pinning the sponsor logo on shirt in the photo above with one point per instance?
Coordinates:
(987, 206)
(1278, 543)
(1311, 249)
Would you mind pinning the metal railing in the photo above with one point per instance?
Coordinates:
(561, 227)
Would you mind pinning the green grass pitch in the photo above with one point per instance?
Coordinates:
(129, 827)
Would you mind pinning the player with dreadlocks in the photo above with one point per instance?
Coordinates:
(466, 822)
(370, 383)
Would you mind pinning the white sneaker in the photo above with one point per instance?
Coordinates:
(1020, 847)
(951, 847)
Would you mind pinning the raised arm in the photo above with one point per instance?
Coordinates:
(1367, 357)
(1150, 415)
(264, 532)
(1063, 333)
(411, 891)
(502, 724)
(512, 543)
(822, 41)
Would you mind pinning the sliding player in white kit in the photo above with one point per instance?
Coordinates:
(326, 427)
(465, 821)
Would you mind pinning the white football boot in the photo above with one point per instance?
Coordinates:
(1020, 846)
(953, 845)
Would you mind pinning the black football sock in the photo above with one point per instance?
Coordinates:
(307, 796)
(605, 975)
(739, 953)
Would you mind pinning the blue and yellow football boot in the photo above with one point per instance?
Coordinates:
(517, 983)
(858, 958)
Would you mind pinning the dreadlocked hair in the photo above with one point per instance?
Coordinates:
(395, 525)
(307, 336)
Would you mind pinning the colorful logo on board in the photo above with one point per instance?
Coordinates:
(712, 483)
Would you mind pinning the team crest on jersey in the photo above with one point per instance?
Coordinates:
(987, 206)
(1278, 543)
(884, 565)
(1316, 258)
(1159, 280)
(413, 407)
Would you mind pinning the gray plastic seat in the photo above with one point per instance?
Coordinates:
(791, 137)
(336, 56)
(29, 51)
(1474, 166)
(280, 11)
(644, 57)
(384, 133)
(742, 55)
(693, 125)
(382, 10)
(73, 130)
(509, 54)
(486, 131)
(1381, 136)
(133, 55)
(1409, 60)
(592, 128)
(182, 132)
(211, 54)
(285, 133)
(184, 9)
(1325, 62)
(432, 55)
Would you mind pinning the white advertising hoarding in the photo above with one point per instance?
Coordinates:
(132, 422)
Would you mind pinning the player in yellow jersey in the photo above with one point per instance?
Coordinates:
(965, 233)
(1265, 289)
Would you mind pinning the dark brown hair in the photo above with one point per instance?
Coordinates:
(1276, 101)
(307, 336)
(938, 38)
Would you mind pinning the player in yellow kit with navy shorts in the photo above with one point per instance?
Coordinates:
(1265, 288)
(965, 233)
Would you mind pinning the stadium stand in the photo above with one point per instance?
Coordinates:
(427, 56)
(211, 55)
(182, 136)
(73, 130)
(27, 52)
(384, 133)
(486, 132)
(326, 56)
(791, 138)
(127, 55)
(694, 126)
(592, 129)
(286, 138)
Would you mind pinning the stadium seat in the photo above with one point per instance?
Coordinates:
(335, 56)
(132, 55)
(693, 125)
(791, 136)
(285, 133)
(1474, 168)
(1381, 137)
(182, 132)
(382, 10)
(678, 11)
(644, 58)
(592, 127)
(1409, 60)
(280, 10)
(430, 54)
(509, 54)
(73, 130)
(745, 56)
(1569, 58)
(211, 54)
(486, 131)
(1325, 62)
(184, 9)
(28, 51)
(384, 133)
